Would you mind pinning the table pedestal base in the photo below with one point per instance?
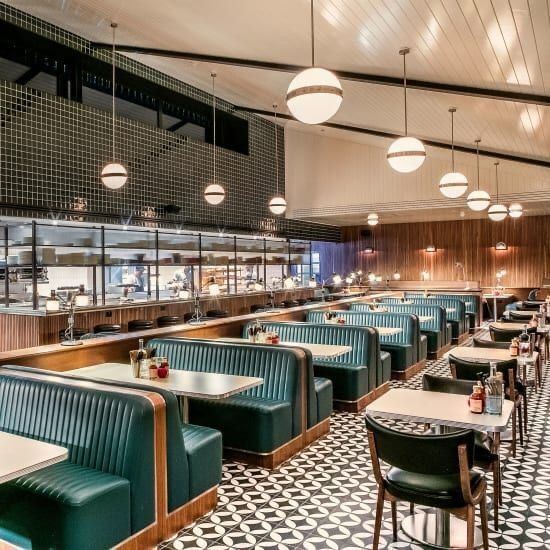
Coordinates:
(439, 529)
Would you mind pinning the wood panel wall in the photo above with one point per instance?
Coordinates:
(470, 242)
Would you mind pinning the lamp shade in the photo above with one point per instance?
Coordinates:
(453, 185)
(478, 200)
(406, 154)
(277, 205)
(497, 212)
(396, 276)
(314, 95)
(431, 248)
(515, 210)
(114, 175)
(372, 219)
(214, 289)
(501, 246)
(214, 194)
(336, 279)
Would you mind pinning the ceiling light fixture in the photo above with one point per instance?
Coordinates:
(501, 246)
(277, 204)
(315, 94)
(396, 275)
(515, 210)
(478, 200)
(497, 212)
(453, 184)
(214, 193)
(114, 175)
(431, 248)
(369, 250)
(406, 154)
(372, 219)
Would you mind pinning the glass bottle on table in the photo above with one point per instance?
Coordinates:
(524, 343)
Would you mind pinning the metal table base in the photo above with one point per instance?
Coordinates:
(439, 529)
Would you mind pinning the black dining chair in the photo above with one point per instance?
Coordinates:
(520, 316)
(438, 474)
(484, 457)
(481, 343)
(506, 335)
(515, 390)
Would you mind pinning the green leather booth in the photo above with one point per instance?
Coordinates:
(353, 374)
(471, 303)
(435, 329)
(194, 453)
(105, 491)
(258, 420)
(403, 347)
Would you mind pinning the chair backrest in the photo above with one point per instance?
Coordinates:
(468, 370)
(506, 335)
(443, 384)
(280, 368)
(480, 343)
(532, 296)
(521, 315)
(103, 429)
(421, 454)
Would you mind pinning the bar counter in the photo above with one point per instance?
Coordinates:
(116, 348)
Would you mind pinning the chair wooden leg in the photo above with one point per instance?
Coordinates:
(524, 399)
(470, 526)
(394, 519)
(484, 527)
(520, 425)
(497, 492)
(378, 518)
(514, 423)
(411, 507)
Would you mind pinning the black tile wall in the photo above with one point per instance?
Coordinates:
(53, 150)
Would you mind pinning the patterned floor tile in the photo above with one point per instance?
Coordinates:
(324, 498)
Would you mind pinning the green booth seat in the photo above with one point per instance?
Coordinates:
(435, 329)
(258, 420)
(194, 453)
(404, 347)
(105, 491)
(354, 374)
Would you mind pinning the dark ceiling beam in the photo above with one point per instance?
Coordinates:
(429, 142)
(502, 95)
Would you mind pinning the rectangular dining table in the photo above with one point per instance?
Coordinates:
(319, 351)
(21, 455)
(183, 383)
(437, 527)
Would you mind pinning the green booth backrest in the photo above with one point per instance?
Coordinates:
(105, 430)
(472, 299)
(459, 313)
(437, 313)
(177, 464)
(409, 334)
(279, 367)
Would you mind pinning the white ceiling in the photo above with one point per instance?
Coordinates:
(497, 44)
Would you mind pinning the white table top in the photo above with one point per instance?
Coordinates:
(205, 385)
(318, 351)
(425, 318)
(484, 354)
(450, 309)
(388, 331)
(23, 455)
(437, 408)
(497, 296)
(516, 326)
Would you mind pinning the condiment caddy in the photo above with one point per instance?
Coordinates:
(145, 363)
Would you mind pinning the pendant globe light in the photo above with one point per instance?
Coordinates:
(277, 204)
(497, 212)
(315, 94)
(114, 175)
(372, 219)
(406, 154)
(515, 210)
(453, 184)
(478, 200)
(214, 193)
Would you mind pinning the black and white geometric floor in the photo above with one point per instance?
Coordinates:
(324, 498)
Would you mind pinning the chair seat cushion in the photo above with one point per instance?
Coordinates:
(349, 382)
(63, 504)
(203, 447)
(385, 361)
(246, 422)
(401, 355)
(441, 491)
(323, 389)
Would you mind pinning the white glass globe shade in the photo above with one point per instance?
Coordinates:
(372, 219)
(478, 200)
(277, 205)
(406, 154)
(214, 194)
(314, 95)
(397, 276)
(515, 210)
(114, 175)
(453, 185)
(497, 212)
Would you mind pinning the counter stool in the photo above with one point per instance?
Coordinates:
(108, 328)
(168, 320)
(290, 303)
(139, 324)
(217, 313)
(77, 333)
(302, 301)
(256, 307)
